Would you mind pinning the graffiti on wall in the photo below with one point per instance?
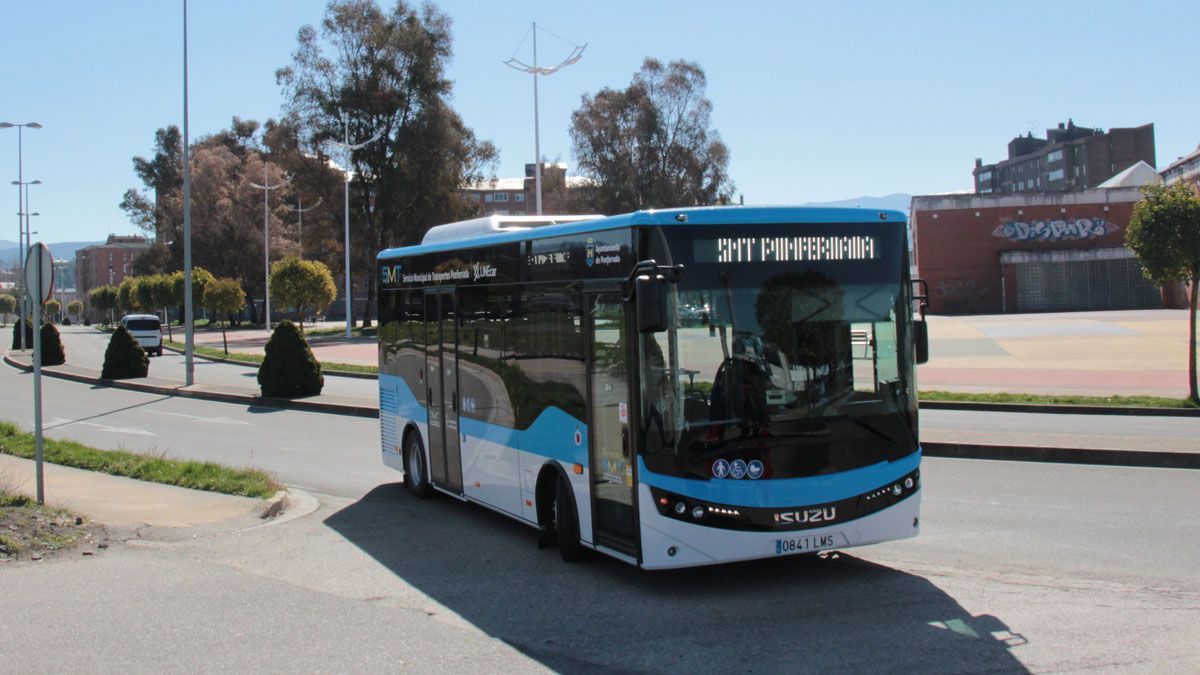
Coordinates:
(1054, 230)
(946, 287)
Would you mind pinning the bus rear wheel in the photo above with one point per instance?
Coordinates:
(416, 478)
(566, 522)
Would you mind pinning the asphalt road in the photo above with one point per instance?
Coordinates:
(1020, 566)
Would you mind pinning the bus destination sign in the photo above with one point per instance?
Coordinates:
(786, 249)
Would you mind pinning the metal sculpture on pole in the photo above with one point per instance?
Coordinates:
(514, 63)
(348, 149)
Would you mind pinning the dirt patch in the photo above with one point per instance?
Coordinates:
(29, 532)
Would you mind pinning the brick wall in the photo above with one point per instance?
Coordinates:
(958, 240)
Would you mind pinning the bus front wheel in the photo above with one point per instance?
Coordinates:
(416, 478)
(566, 522)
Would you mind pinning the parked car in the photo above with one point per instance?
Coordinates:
(147, 330)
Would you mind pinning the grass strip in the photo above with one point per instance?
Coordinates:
(183, 473)
(1051, 399)
(257, 359)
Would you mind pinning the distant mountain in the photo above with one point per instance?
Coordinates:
(65, 250)
(898, 201)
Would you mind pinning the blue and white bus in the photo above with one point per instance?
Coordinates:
(671, 388)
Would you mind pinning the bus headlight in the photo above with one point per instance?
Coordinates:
(697, 512)
(680, 508)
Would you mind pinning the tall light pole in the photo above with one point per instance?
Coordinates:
(514, 63)
(20, 211)
(189, 326)
(348, 150)
(299, 209)
(24, 239)
(266, 187)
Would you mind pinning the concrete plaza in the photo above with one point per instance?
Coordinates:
(1130, 353)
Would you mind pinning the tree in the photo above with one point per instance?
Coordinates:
(127, 295)
(161, 294)
(160, 213)
(1164, 233)
(53, 353)
(8, 305)
(124, 358)
(75, 309)
(143, 290)
(650, 145)
(102, 299)
(386, 72)
(303, 284)
(200, 280)
(224, 295)
(50, 309)
(289, 367)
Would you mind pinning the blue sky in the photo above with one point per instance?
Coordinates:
(817, 101)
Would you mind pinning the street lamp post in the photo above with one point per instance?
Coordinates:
(299, 209)
(534, 70)
(266, 187)
(20, 209)
(24, 240)
(349, 149)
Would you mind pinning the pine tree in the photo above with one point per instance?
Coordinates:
(53, 353)
(289, 368)
(124, 358)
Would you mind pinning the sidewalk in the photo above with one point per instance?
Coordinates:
(118, 501)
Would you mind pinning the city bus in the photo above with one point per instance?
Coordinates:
(671, 387)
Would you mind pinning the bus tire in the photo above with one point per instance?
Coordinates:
(566, 522)
(416, 472)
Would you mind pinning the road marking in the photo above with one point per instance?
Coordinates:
(132, 431)
(211, 420)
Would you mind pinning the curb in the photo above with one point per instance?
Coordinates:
(274, 505)
(225, 397)
(1016, 453)
(235, 362)
(1058, 409)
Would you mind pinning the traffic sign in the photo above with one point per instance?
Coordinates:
(39, 273)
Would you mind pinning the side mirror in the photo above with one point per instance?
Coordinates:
(921, 341)
(650, 293)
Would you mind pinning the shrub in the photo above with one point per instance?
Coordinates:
(289, 368)
(17, 326)
(53, 353)
(124, 358)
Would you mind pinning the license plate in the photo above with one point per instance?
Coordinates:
(814, 542)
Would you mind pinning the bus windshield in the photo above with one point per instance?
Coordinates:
(805, 368)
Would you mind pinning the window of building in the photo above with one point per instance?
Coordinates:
(501, 196)
(519, 197)
(487, 198)
(985, 176)
(1055, 156)
(1056, 174)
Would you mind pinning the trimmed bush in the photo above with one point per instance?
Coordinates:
(16, 341)
(289, 368)
(53, 353)
(124, 357)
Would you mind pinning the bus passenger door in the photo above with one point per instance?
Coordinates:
(441, 389)
(612, 460)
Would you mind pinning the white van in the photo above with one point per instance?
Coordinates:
(146, 329)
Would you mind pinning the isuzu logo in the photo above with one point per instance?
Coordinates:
(801, 517)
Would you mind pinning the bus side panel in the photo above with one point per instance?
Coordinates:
(490, 466)
(397, 408)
